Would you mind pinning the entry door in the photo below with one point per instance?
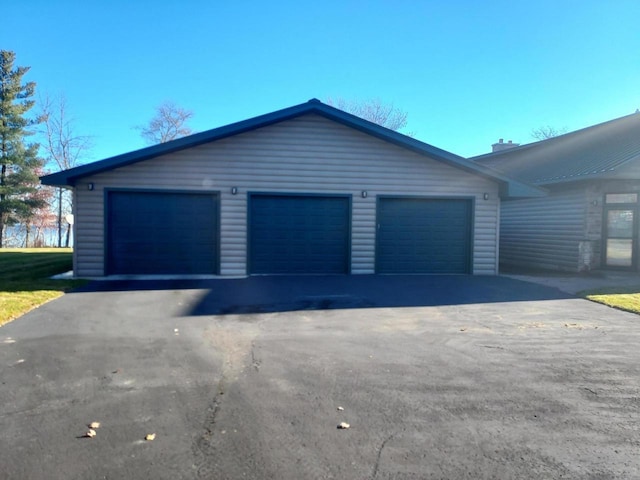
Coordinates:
(620, 238)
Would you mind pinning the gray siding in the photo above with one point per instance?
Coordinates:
(544, 232)
(308, 154)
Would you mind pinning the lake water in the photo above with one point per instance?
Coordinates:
(15, 237)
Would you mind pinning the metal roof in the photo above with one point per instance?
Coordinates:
(593, 152)
(313, 106)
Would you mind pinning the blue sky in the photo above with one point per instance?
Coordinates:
(467, 72)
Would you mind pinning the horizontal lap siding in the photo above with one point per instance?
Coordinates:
(544, 232)
(88, 232)
(308, 154)
(486, 228)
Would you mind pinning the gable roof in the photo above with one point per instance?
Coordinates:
(593, 152)
(510, 188)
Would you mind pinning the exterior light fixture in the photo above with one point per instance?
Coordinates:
(234, 190)
(364, 194)
(90, 186)
(486, 196)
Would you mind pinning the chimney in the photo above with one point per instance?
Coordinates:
(497, 147)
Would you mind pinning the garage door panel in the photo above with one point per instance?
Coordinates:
(423, 235)
(162, 233)
(299, 234)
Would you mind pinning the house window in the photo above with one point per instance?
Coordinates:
(621, 198)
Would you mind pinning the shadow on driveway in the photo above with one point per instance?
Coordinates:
(265, 294)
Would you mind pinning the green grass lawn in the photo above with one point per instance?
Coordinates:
(623, 298)
(25, 282)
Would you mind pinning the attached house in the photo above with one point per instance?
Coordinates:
(306, 189)
(589, 219)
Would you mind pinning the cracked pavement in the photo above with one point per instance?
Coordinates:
(547, 386)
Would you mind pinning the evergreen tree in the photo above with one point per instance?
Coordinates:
(18, 161)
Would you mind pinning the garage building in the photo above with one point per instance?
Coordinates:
(309, 189)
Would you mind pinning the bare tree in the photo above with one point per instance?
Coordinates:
(169, 123)
(64, 149)
(547, 131)
(374, 110)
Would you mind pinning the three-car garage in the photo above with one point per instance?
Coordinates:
(308, 189)
(154, 232)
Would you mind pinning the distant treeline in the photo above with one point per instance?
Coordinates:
(19, 236)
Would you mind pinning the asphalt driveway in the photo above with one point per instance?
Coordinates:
(438, 377)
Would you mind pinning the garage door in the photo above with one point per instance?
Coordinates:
(299, 234)
(423, 235)
(162, 233)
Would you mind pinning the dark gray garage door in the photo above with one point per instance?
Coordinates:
(423, 235)
(162, 233)
(299, 234)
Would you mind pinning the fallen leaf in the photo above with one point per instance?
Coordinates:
(573, 325)
(463, 329)
(91, 433)
(94, 425)
(343, 426)
(150, 437)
